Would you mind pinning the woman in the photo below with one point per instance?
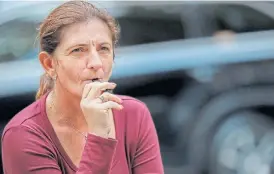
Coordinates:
(75, 126)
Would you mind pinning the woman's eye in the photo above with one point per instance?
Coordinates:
(78, 50)
(105, 48)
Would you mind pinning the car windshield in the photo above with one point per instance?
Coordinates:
(140, 24)
(17, 38)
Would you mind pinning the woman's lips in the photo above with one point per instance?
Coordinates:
(93, 80)
(98, 80)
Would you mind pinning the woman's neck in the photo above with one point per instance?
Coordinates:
(67, 108)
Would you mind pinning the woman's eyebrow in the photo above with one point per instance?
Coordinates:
(87, 44)
(77, 44)
(105, 43)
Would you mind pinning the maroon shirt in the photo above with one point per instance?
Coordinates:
(30, 145)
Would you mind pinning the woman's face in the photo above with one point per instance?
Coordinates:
(85, 53)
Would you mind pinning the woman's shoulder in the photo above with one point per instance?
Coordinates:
(138, 122)
(135, 111)
(132, 104)
(27, 117)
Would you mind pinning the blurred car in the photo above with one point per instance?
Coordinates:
(210, 97)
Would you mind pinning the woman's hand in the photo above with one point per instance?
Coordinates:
(96, 103)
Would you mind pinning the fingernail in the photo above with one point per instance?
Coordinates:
(114, 84)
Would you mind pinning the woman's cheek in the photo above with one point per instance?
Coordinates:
(108, 71)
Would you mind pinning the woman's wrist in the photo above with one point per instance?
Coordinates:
(104, 133)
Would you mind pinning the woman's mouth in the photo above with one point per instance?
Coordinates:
(96, 80)
(93, 80)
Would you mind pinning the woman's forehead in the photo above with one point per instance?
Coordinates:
(86, 32)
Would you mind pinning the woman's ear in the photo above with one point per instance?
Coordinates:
(47, 63)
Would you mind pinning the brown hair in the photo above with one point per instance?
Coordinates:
(70, 12)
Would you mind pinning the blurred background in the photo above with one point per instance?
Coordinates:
(205, 70)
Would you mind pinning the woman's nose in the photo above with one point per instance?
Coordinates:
(94, 61)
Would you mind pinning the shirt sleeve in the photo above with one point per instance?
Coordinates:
(147, 158)
(26, 151)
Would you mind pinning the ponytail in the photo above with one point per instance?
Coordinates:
(46, 85)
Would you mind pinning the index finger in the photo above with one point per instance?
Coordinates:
(98, 87)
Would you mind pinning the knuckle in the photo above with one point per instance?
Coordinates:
(94, 86)
(89, 85)
(111, 103)
(83, 105)
(108, 95)
(100, 84)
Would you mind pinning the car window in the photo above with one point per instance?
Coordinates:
(138, 26)
(240, 18)
(143, 25)
(17, 38)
